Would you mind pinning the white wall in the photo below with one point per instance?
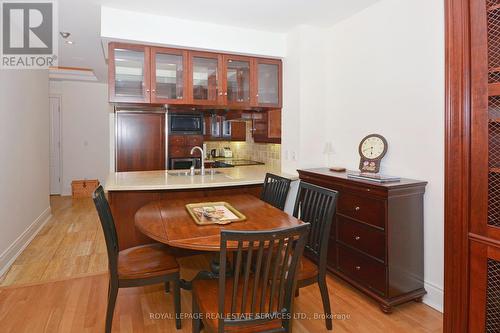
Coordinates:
(385, 74)
(85, 114)
(24, 165)
(164, 30)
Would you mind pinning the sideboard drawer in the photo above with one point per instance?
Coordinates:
(368, 210)
(362, 237)
(363, 269)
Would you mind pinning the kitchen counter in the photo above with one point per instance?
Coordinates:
(163, 180)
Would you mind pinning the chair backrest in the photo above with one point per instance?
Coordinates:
(275, 190)
(264, 276)
(108, 227)
(316, 205)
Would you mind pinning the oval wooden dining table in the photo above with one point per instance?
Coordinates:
(167, 221)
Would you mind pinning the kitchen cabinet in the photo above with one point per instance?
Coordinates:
(169, 76)
(129, 73)
(217, 128)
(268, 83)
(266, 126)
(239, 75)
(181, 145)
(157, 75)
(140, 141)
(205, 78)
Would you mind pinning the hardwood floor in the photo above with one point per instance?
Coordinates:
(44, 293)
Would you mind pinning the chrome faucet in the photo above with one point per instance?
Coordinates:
(202, 170)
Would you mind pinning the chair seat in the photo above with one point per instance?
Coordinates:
(146, 261)
(206, 293)
(307, 269)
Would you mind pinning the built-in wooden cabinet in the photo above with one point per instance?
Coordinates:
(156, 75)
(217, 128)
(266, 126)
(169, 76)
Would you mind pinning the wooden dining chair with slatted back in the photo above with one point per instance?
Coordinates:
(275, 190)
(255, 298)
(136, 266)
(316, 205)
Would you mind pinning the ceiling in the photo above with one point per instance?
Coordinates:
(82, 19)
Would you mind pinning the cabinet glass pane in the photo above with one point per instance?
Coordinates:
(129, 73)
(238, 81)
(204, 78)
(169, 76)
(268, 84)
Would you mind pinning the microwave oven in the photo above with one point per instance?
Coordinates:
(185, 123)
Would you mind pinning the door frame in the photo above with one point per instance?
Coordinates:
(457, 165)
(58, 97)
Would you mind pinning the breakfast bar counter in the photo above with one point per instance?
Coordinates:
(129, 191)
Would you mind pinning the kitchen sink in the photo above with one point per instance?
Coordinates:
(209, 172)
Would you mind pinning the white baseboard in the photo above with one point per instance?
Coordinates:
(434, 296)
(8, 257)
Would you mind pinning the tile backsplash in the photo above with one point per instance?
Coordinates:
(268, 153)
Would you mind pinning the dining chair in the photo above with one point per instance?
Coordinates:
(316, 205)
(136, 266)
(255, 298)
(275, 190)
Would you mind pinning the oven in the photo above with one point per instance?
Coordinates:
(184, 163)
(185, 123)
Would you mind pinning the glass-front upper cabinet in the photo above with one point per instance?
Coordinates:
(205, 78)
(268, 83)
(238, 73)
(168, 76)
(129, 73)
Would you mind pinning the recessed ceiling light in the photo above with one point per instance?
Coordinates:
(65, 34)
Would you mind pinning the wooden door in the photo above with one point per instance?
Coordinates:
(484, 227)
(140, 141)
(129, 73)
(238, 131)
(238, 80)
(169, 76)
(268, 90)
(205, 78)
(274, 124)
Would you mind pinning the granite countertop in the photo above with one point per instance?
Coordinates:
(165, 180)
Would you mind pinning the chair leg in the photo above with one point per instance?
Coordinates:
(177, 303)
(196, 322)
(167, 286)
(112, 294)
(326, 302)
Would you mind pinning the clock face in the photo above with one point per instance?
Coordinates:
(373, 147)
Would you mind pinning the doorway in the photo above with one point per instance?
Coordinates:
(55, 145)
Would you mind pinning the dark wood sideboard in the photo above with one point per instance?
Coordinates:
(377, 237)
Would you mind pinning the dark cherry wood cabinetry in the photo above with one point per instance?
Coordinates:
(181, 145)
(140, 141)
(266, 126)
(376, 241)
(157, 75)
(218, 128)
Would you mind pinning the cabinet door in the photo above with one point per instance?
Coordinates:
(484, 307)
(140, 141)
(238, 79)
(168, 76)
(205, 78)
(129, 73)
(274, 121)
(268, 83)
(238, 131)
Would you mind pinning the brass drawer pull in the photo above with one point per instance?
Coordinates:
(357, 238)
(357, 208)
(358, 268)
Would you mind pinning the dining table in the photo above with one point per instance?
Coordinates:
(169, 222)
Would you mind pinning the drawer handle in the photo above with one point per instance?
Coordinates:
(358, 268)
(357, 238)
(357, 208)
